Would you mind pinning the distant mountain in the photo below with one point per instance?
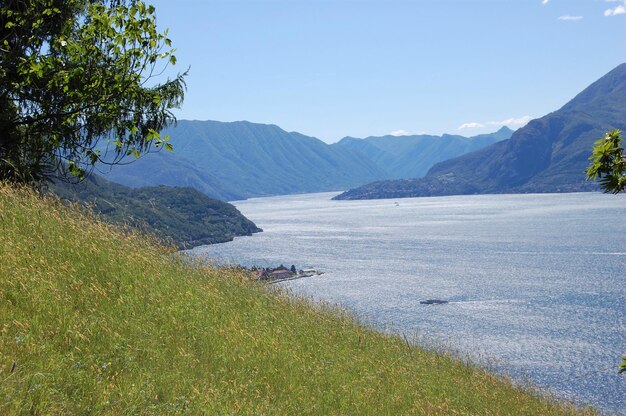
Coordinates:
(242, 159)
(549, 154)
(164, 168)
(412, 156)
(185, 216)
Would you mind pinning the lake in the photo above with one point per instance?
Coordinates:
(536, 283)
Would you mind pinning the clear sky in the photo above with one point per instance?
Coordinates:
(331, 69)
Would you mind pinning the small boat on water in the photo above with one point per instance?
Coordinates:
(433, 302)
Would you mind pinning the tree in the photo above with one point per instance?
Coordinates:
(78, 85)
(608, 164)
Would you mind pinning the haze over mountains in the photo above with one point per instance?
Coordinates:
(549, 154)
(412, 156)
(240, 160)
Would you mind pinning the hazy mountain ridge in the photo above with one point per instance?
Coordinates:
(238, 160)
(412, 156)
(160, 168)
(549, 154)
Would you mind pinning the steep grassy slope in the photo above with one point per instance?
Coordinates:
(98, 321)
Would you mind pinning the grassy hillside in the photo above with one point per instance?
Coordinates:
(95, 320)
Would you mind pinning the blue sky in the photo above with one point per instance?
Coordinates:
(331, 69)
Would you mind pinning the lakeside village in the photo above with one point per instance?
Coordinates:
(281, 273)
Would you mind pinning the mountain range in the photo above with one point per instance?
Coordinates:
(549, 154)
(239, 160)
(412, 156)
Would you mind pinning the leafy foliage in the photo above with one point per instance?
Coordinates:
(608, 163)
(184, 216)
(74, 73)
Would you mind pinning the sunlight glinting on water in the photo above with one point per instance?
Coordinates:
(536, 284)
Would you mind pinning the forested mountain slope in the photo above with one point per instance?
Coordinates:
(549, 154)
(184, 216)
(242, 159)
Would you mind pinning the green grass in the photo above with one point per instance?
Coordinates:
(98, 320)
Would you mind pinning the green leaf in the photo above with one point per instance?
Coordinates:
(608, 164)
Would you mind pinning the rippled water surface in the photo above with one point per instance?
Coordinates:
(536, 283)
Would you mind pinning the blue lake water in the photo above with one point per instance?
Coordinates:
(536, 283)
